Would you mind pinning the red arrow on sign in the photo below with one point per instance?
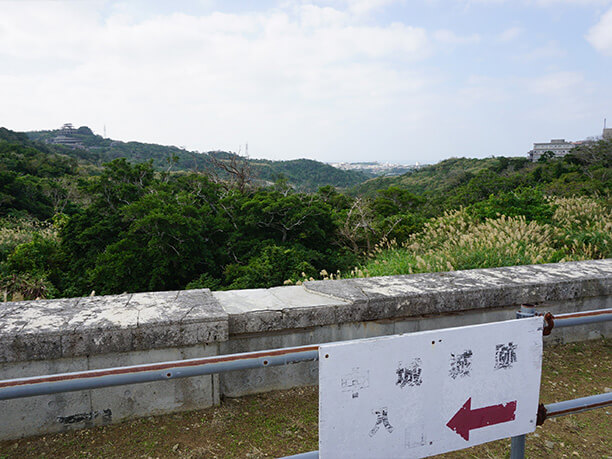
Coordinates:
(467, 419)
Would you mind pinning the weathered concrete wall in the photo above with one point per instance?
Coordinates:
(60, 336)
(56, 336)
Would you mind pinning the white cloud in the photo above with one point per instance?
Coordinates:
(509, 34)
(208, 81)
(556, 84)
(600, 35)
(365, 6)
(547, 52)
(448, 37)
(315, 16)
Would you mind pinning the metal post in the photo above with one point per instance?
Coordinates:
(517, 447)
(517, 444)
(527, 310)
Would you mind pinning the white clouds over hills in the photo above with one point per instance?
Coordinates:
(334, 80)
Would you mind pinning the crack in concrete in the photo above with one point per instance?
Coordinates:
(188, 312)
(11, 310)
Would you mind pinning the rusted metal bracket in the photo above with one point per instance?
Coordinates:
(564, 320)
(541, 416)
(549, 319)
(529, 310)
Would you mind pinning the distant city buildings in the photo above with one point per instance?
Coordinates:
(376, 168)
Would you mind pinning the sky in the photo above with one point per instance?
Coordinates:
(334, 80)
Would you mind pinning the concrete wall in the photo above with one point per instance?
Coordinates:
(56, 336)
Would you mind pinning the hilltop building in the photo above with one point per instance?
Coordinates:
(67, 129)
(559, 147)
(66, 138)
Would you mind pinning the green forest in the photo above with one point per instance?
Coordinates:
(114, 218)
(302, 174)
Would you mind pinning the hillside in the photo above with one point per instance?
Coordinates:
(442, 176)
(307, 174)
(302, 174)
(464, 181)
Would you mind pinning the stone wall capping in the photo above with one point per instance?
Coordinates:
(277, 308)
(429, 293)
(52, 329)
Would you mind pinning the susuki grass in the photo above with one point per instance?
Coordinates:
(583, 228)
(15, 231)
(580, 229)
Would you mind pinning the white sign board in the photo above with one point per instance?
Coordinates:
(429, 392)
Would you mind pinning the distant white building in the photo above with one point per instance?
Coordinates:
(559, 147)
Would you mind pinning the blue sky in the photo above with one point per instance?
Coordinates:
(338, 80)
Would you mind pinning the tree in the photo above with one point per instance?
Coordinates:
(274, 265)
(546, 156)
(120, 183)
(357, 226)
(236, 169)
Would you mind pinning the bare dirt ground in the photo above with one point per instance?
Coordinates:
(282, 423)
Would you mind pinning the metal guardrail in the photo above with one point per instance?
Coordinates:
(163, 371)
(517, 444)
(577, 405)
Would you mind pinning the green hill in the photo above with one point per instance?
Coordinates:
(306, 174)
(302, 174)
(445, 175)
